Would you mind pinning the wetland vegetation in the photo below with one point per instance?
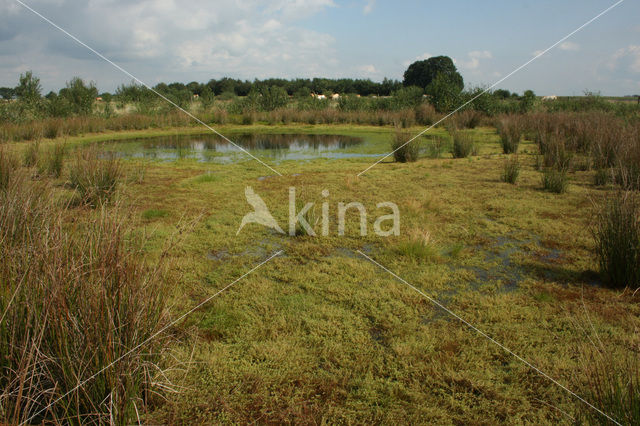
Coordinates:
(523, 220)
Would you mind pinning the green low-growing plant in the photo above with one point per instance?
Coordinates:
(554, 180)
(94, 178)
(617, 240)
(154, 214)
(511, 170)
(463, 144)
(404, 152)
(510, 131)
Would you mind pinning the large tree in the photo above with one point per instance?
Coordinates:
(422, 73)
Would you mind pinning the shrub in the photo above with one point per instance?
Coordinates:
(463, 145)
(93, 177)
(554, 180)
(73, 301)
(510, 131)
(404, 152)
(617, 239)
(511, 170)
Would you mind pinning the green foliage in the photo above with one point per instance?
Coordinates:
(617, 240)
(554, 180)
(404, 152)
(527, 101)
(79, 96)
(407, 97)
(423, 73)
(273, 97)
(511, 170)
(206, 97)
(29, 89)
(444, 93)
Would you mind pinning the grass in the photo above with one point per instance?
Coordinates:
(403, 150)
(510, 130)
(554, 180)
(463, 144)
(93, 177)
(151, 214)
(617, 238)
(73, 299)
(511, 170)
(319, 334)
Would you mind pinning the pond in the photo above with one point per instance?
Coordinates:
(213, 148)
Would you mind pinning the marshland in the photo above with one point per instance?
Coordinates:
(522, 221)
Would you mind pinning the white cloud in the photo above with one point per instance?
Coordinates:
(368, 7)
(569, 46)
(473, 61)
(368, 69)
(627, 58)
(166, 40)
(418, 58)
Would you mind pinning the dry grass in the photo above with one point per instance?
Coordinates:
(72, 301)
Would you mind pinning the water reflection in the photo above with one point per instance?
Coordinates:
(214, 148)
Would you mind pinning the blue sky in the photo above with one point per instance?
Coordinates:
(167, 40)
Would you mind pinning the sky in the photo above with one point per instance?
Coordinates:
(197, 40)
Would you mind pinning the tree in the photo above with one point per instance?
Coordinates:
(444, 92)
(273, 97)
(7, 93)
(29, 88)
(206, 96)
(80, 96)
(527, 101)
(422, 73)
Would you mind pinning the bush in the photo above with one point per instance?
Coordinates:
(554, 180)
(463, 145)
(404, 152)
(617, 239)
(511, 170)
(510, 132)
(94, 178)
